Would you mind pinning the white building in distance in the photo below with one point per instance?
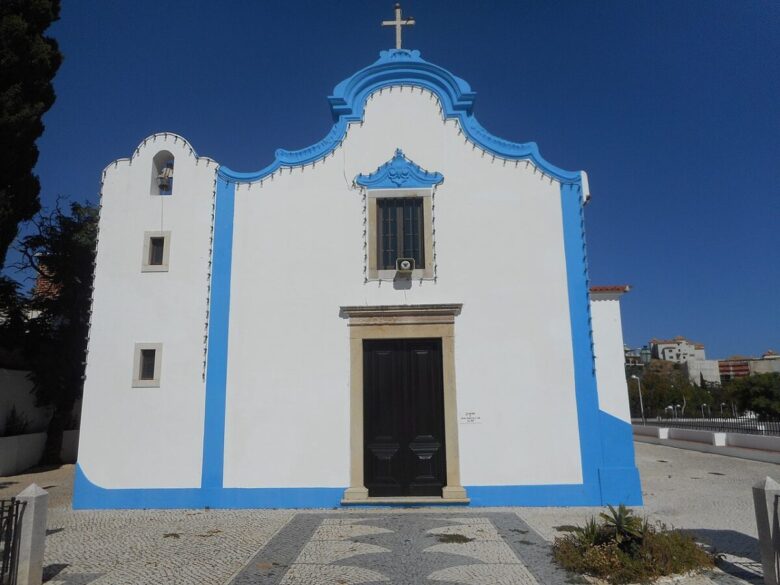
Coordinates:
(691, 355)
(400, 310)
(768, 363)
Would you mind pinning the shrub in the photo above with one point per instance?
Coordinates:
(624, 548)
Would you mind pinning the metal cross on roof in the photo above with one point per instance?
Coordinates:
(398, 23)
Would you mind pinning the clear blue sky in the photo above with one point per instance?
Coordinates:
(673, 108)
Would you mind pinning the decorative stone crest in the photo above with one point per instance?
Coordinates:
(399, 172)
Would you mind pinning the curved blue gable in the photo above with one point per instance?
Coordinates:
(399, 172)
(404, 67)
(407, 67)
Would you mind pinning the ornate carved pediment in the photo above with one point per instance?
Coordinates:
(399, 173)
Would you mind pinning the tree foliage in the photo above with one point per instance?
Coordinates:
(759, 393)
(666, 389)
(28, 63)
(13, 324)
(61, 253)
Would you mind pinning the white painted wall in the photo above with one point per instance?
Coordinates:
(608, 348)
(298, 256)
(149, 437)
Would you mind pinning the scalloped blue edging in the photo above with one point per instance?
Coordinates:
(405, 68)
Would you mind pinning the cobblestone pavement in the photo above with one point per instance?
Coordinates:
(709, 494)
(404, 549)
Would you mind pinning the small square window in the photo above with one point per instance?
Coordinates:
(146, 365)
(157, 248)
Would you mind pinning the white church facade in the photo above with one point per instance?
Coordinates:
(399, 313)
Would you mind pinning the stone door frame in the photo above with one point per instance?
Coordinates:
(402, 322)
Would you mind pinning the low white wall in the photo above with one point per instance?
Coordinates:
(745, 446)
(70, 446)
(691, 435)
(764, 442)
(16, 392)
(646, 430)
(20, 452)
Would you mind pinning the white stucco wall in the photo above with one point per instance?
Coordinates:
(149, 437)
(298, 256)
(608, 349)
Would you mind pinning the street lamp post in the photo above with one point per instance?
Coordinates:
(702, 410)
(641, 404)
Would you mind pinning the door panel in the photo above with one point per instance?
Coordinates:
(383, 458)
(403, 417)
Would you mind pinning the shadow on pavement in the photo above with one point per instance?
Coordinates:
(743, 557)
(51, 571)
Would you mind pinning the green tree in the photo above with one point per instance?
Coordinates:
(759, 393)
(13, 324)
(663, 385)
(62, 253)
(28, 63)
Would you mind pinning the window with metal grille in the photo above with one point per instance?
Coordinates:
(146, 370)
(400, 233)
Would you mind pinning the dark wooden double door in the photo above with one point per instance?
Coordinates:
(403, 422)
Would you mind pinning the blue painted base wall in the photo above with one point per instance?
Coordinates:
(617, 483)
(88, 496)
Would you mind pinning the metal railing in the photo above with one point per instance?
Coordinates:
(747, 425)
(10, 524)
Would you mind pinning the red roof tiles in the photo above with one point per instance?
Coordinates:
(618, 288)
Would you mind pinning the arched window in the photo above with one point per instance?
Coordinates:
(162, 173)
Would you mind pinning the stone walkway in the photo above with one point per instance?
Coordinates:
(709, 494)
(404, 549)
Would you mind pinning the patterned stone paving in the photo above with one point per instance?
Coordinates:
(446, 548)
(708, 494)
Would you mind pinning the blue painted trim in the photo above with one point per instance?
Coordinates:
(579, 314)
(219, 321)
(606, 443)
(618, 477)
(88, 496)
(399, 172)
(531, 495)
(401, 67)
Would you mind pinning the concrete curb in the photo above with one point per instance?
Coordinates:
(764, 455)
